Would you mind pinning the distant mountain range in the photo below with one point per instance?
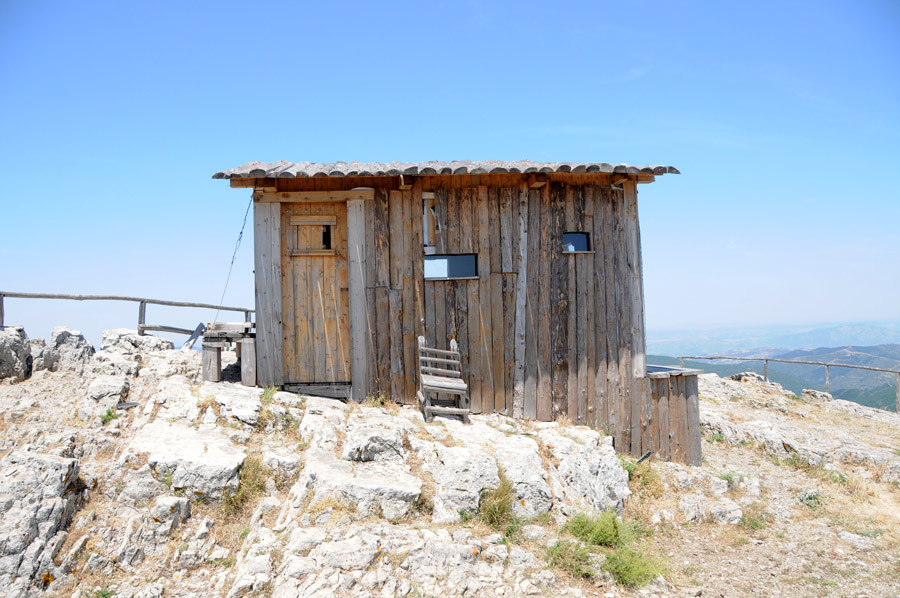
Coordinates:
(876, 389)
(771, 340)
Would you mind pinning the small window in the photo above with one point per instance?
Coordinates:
(576, 242)
(313, 235)
(446, 267)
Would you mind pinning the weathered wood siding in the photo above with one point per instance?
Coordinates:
(543, 334)
(671, 416)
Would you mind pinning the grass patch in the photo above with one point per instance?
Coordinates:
(108, 416)
(754, 518)
(268, 395)
(603, 530)
(572, 557)
(253, 483)
(104, 593)
(715, 437)
(632, 568)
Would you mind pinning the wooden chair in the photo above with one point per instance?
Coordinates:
(440, 373)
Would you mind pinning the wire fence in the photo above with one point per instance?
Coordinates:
(827, 367)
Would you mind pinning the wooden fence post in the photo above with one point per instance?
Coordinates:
(898, 392)
(1, 311)
(766, 368)
(827, 381)
(142, 315)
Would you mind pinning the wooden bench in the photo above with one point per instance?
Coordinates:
(218, 336)
(440, 376)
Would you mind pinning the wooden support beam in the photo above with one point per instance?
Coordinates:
(212, 363)
(406, 182)
(248, 361)
(537, 180)
(521, 266)
(359, 332)
(252, 183)
(312, 196)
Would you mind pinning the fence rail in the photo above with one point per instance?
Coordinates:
(827, 366)
(142, 302)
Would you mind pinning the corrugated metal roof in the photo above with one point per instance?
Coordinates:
(285, 169)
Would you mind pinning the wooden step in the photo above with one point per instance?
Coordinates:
(447, 410)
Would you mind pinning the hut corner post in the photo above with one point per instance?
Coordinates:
(356, 248)
(267, 262)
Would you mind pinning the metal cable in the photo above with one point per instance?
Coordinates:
(237, 246)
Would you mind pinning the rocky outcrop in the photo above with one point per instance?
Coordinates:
(39, 493)
(202, 463)
(15, 353)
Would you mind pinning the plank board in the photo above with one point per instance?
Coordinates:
(520, 326)
(267, 261)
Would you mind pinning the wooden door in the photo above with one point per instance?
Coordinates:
(316, 313)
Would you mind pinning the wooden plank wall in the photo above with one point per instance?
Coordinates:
(581, 311)
(543, 334)
(672, 415)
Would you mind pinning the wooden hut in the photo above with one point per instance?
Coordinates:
(533, 268)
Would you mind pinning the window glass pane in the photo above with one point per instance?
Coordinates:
(575, 242)
(439, 267)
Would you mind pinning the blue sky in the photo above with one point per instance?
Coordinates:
(783, 117)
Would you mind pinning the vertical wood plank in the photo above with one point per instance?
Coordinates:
(395, 215)
(440, 303)
(613, 397)
(484, 307)
(572, 303)
(267, 256)
(586, 295)
(382, 291)
(359, 329)
(559, 303)
(532, 302)
(694, 452)
(665, 441)
(496, 304)
(633, 233)
(544, 348)
(601, 405)
(520, 327)
(507, 228)
(409, 308)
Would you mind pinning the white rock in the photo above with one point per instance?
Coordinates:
(203, 462)
(369, 487)
(15, 353)
(129, 342)
(373, 443)
(724, 510)
(171, 509)
(108, 389)
(857, 541)
(460, 475)
(67, 350)
(350, 554)
(235, 400)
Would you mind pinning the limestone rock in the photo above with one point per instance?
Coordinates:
(202, 462)
(237, 402)
(460, 475)
(39, 496)
(816, 396)
(369, 487)
(67, 350)
(15, 353)
(108, 390)
(373, 443)
(129, 342)
(173, 509)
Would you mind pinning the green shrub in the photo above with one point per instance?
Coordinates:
(108, 416)
(631, 567)
(495, 508)
(602, 530)
(572, 557)
(811, 498)
(716, 437)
